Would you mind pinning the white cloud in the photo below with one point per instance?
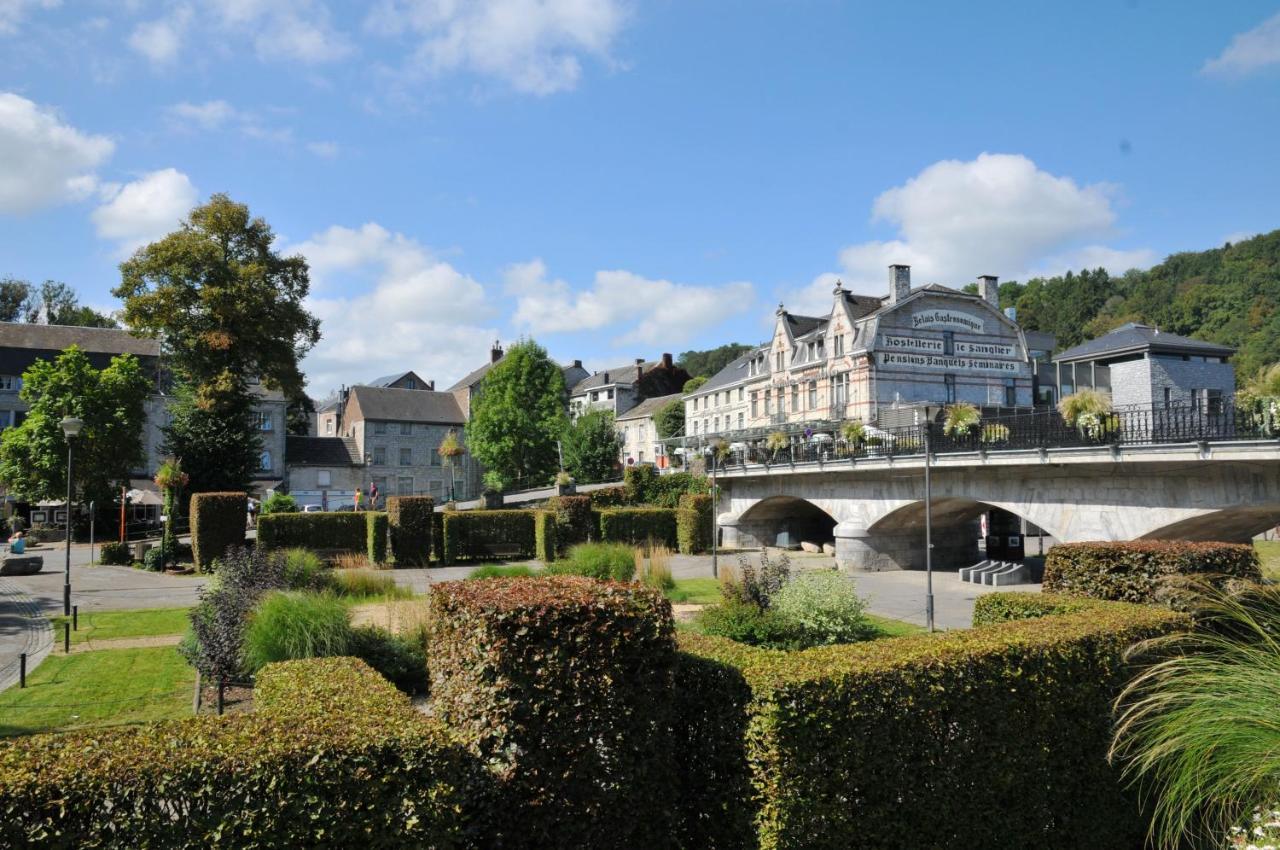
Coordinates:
(1249, 51)
(534, 45)
(145, 209)
(324, 150)
(654, 312)
(44, 161)
(161, 40)
(410, 317)
(997, 214)
(209, 115)
(12, 12)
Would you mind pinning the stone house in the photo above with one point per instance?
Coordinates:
(621, 388)
(468, 387)
(640, 443)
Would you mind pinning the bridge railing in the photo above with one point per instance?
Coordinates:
(1130, 426)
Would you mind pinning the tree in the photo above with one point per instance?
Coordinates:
(54, 303)
(592, 446)
(33, 456)
(519, 415)
(694, 384)
(14, 295)
(668, 421)
(298, 415)
(219, 446)
(704, 364)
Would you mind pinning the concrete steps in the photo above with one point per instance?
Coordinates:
(996, 573)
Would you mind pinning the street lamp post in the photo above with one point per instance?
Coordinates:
(928, 528)
(71, 429)
(715, 516)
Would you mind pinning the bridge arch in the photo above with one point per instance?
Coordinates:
(782, 520)
(1233, 525)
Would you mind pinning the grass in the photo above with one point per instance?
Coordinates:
(286, 625)
(1269, 554)
(367, 586)
(102, 688)
(890, 628)
(695, 591)
(111, 625)
(495, 571)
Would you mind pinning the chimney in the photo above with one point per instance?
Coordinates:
(606, 378)
(495, 353)
(431, 385)
(989, 286)
(577, 364)
(666, 360)
(899, 283)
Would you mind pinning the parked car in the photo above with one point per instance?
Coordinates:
(312, 509)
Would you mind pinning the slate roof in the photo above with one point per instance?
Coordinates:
(59, 337)
(730, 374)
(801, 325)
(1134, 338)
(862, 305)
(617, 375)
(394, 405)
(474, 376)
(1040, 340)
(388, 380)
(321, 451)
(649, 406)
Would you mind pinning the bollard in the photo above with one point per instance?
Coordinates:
(222, 684)
(22, 670)
(195, 699)
(75, 617)
(66, 638)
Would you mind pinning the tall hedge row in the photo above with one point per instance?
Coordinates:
(545, 536)
(994, 737)
(333, 756)
(1152, 571)
(377, 530)
(694, 523)
(575, 522)
(638, 526)
(471, 535)
(567, 702)
(217, 523)
(341, 531)
(410, 522)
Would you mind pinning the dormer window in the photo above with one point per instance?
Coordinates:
(838, 344)
(778, 359)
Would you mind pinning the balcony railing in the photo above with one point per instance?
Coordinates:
(809, 442)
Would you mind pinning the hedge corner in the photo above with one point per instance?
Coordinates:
(218, 522)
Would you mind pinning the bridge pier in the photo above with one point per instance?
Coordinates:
(860, 549)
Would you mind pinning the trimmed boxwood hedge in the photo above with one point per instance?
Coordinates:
(410, 519)
(545, 533)
(1007, 607)
(562, 685)
(638, 526)
(217, 523)
(468, 534)
(342, 531)
(574, 520)
(993, 737)
(1152, 571)
(333, 756)
(694, 525)
(376, 533)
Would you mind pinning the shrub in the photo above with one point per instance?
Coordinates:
(288, 625)
(992, 608)
(545, 544)
(115, 554)
(376, 537)
(495, 571)
(241, 578)
(154, 559)
(574, 521)
(279, 503)
(581, 746)
(603, 561)
(343, 531)
(639, 525)
(642, 485)
(1146, 570)
(470, 534)
(362, 584)
(825, 608)
(217, 523)
(410, 521)
(750, 624)
(304, 570)
(400, 660)
(606, 497)
(932, 763)
(294, 773)
(756, 587)
(694, 523)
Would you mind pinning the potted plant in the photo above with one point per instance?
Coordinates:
(1089, 412)
(961, 420)
(450, 450)
(854, 435)
(170, 479)
(775, 442)
(564, 484)
(493, 487)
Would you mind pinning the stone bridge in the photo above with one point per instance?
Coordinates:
(874, 507)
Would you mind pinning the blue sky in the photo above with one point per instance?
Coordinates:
(618, 178)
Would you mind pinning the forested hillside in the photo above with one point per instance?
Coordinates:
(1229, 295)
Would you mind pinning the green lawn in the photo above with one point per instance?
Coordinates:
(895, 628)
(697, 591)
(1269, 555)
(102, 688)
(109, 625)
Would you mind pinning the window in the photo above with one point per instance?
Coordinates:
(380, 482)
(410, 384)
(840, 390)
(379, 427)
(595, 395)
(265, 462)
(813, 395)
(608, 393)
(328, 426)
(948, 343)
(695, 404)
(435, 487)
(768, 402)
(379, 455)
(949, 383)
(696, 426)
(406, 457)
(406, 429)
(755, 405)
(795, 398)
(404, 485)
(324, 478)
(1168, 397)
(741, 393)
(811, 351)
(435, 456)
(717, 423)
(6, 419)
(1010, 393)
(262, 420)
(822, 349)
(10, 383)
(1212, 401)
(838, 344)
(778, 358)
(740, 422)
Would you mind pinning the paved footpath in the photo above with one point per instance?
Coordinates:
(22, 629)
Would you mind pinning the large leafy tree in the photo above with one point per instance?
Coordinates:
(519, 415)
(227, 308)
(591, 447)
(33, 456)
(52, 303)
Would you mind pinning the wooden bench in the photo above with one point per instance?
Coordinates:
(502, 550)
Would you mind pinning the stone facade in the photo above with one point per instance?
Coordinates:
(639, 434)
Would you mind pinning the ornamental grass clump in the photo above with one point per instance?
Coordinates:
(604, 561)
(363, 584)
(1198, 729)
(288, 625)
(652, 566)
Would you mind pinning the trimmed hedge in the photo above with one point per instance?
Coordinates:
(562, 685)
(608, 497)
(217, 523)
(919, 741)
(411, 522)
(643, 485)
(343, 531)
(1150, 571)
(115, 553)
(333, 756)
(638, 526)
(574, 520)
(546, 536)
(694, 523)
(468, 534)
(1010, 606)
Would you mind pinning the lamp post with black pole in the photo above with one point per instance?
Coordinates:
(71, 429)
